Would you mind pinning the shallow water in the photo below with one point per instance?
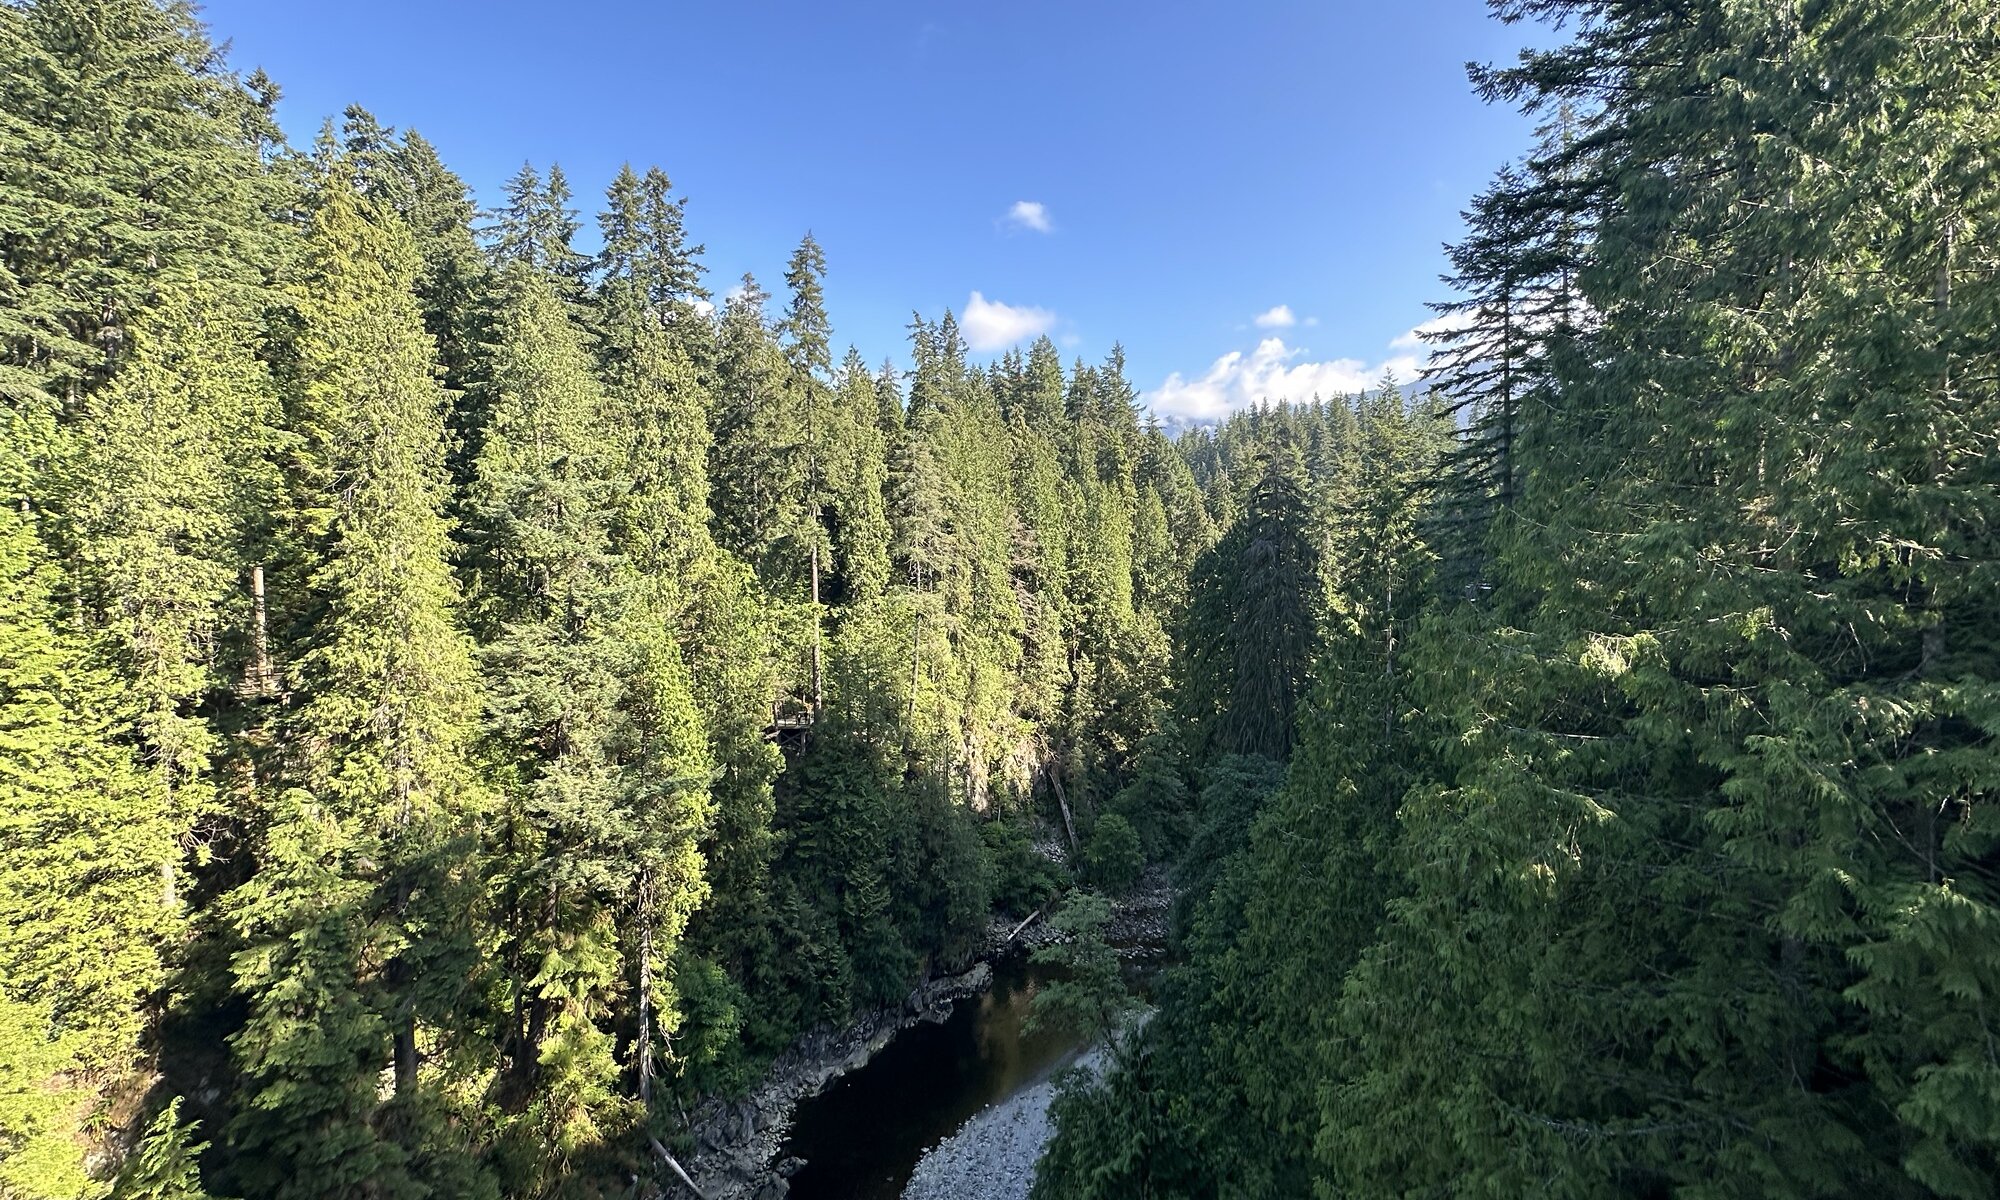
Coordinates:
(862, 1137)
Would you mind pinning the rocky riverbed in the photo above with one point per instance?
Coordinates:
(738, 1144)
(1138, 927)
(1139, 919)
(735, 1142)
(992, 1157)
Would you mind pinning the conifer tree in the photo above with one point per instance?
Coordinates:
(646, 244)
(758, 468)
(1674, 780)
(805, 330)
(537, 228)
(923, 538)
(1044, 508)
(1519, 268)
(404, 175)
(84, 835)
(355, 944)
(653, 343)
(1306, 892)
(857, 464)
(166, 1164)
(954, 546)
(1163, 581)
(599, 867)
(667, 790)
(553, 596)
(107, 217)
(1250, 632)
(656, 346)
(168, 493)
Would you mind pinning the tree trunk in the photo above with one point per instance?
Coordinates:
(1062, 800)
(1016, 932)
(169, 892)
(1506, 398)
(1930, 657)
(1389, 658)
(406, 1017)
(645, 1047)
(916, 662)
(406, 1051)
(818, 688)
(674, 1163)
(260, 641)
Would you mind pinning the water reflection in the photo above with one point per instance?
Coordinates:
(862, 1137)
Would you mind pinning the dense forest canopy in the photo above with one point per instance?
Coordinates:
(1638, 837)
(468, 695)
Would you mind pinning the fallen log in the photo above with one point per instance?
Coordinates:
(1024, 924)
(669, 1159)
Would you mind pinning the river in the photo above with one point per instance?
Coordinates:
(862, 1137)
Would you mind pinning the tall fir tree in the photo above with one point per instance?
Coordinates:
(148, 153)
(537, 228)
(168, 496)
(454, 284)
(1250, 632)
(1676, 809)
(356, 945)
(758, 467)
(85, 835)
(552, 597)
(653, 344)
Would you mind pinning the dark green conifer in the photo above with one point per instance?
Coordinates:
(1251, 629)
(107, 217)
(168, 493)
(537, 228)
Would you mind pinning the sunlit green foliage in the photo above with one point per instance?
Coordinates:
(464, 701)
(1648, 850)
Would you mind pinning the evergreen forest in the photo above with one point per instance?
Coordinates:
(473, 691)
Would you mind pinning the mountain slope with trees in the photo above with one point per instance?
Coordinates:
(1639, 837)
(465, 699)
(469, 701)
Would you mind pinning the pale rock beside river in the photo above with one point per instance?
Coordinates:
(992, 1156)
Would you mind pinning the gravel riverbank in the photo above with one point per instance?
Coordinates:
(992, 1156)
(739, 1146)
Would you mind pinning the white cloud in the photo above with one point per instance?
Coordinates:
(1030, 214)
(1276, 318)
(1275, 371)
(991, 325)
(704, 308)
(1414, 339)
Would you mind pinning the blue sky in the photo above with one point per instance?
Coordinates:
(1163, 174)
